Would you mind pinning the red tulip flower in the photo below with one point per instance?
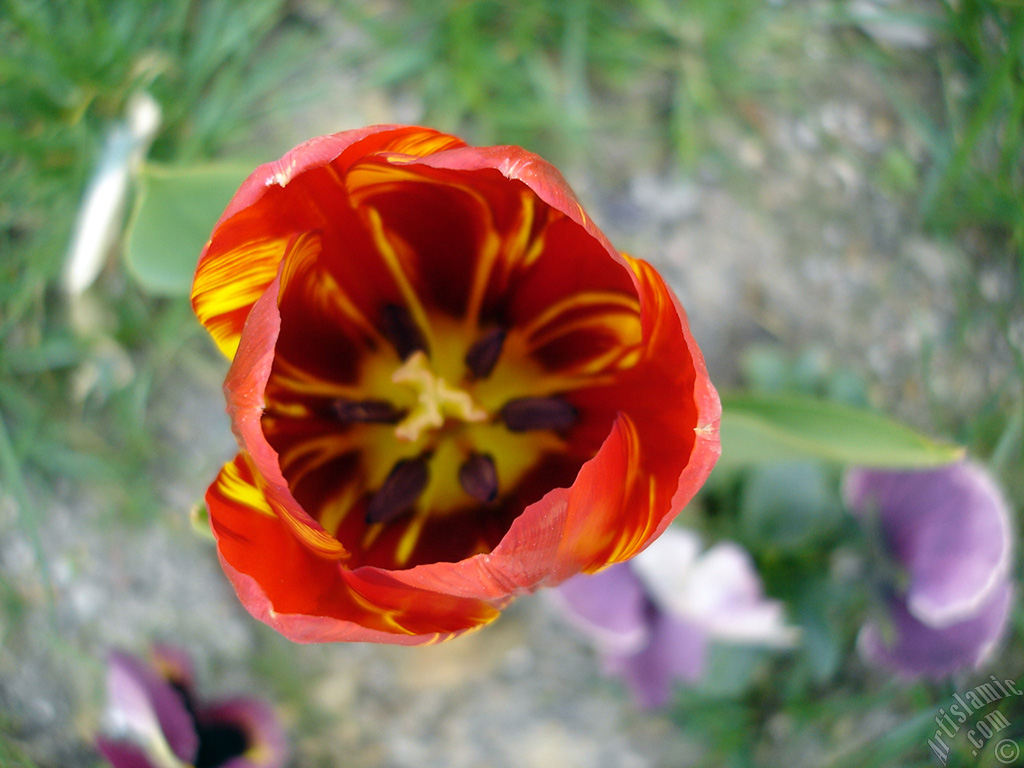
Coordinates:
(447, 387)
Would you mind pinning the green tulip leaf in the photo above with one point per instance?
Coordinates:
(788, 506)
(175, 210)
(760, 428)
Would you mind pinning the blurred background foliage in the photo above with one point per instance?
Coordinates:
(670, 84)
(72, 404)
(680, 77)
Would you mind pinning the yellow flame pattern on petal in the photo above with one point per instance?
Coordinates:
(239, 484)
(235, 484)
(227, 285)
(301, 267)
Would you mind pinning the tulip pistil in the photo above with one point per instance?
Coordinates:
(436, 399)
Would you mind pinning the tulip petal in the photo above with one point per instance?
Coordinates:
(677, 650)
(235, 269)
(175, 666)
(148, 708)
(949, 527)
(309, 598)
(264, 742)
(520, 165)
(719, 590)
(669, 443)
(727, 595)
(915, 649)
(123, 754)
(610, 606)
(666, 569)
(245, 386)
(225, 290)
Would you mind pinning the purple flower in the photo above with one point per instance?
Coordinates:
(946, 542)
(157, 722)
(654, 617)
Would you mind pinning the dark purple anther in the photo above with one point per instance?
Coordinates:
(365, 411)
(403, 487)
(484, 354)
(401, 330)
(479, 478)
(528, 413)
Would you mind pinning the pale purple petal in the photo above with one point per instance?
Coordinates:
(727, 599)
(677, 651)
(915, 649)
(609, 606)
(719, 590)
(145, 705)
(666, 567)
(653, 618)
(266, 743)
(949, 527)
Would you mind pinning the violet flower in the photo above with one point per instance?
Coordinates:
(945, 541)
(653, 618)
(157, 721)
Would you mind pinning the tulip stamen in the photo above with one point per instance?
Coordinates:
(524, 414)
(365, 411)
(401, 490)
(401, 330)
(479, 477)
(483, 355)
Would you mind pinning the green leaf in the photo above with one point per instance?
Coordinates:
(788, 506)
(759, 428)
(174, 214)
